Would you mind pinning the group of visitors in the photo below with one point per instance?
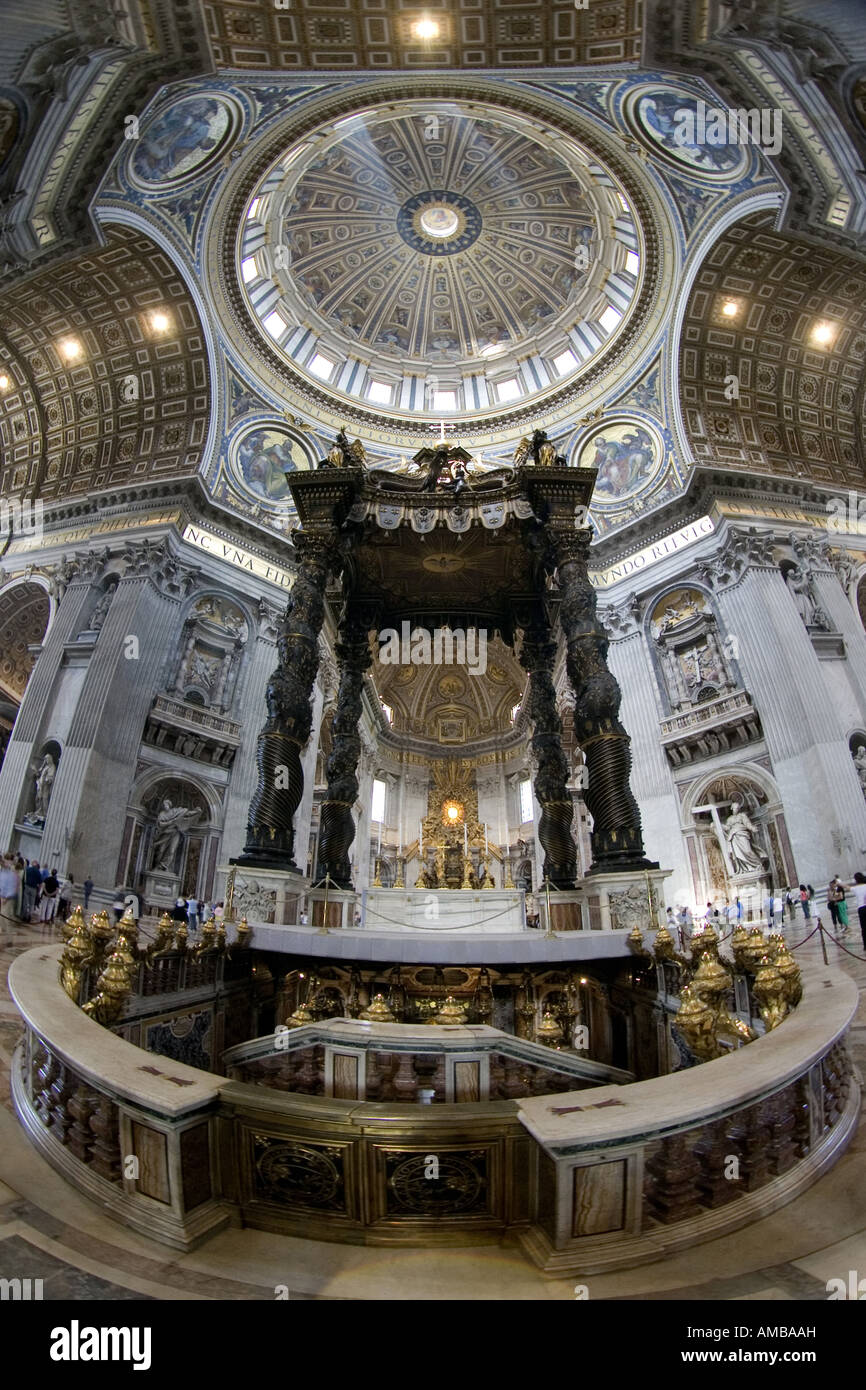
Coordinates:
(30, 892)
(193, 911)
(837, 903)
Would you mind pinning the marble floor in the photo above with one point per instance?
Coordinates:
(48, 1231)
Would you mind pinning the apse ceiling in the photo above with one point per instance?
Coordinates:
(413, 256)
(453, 705)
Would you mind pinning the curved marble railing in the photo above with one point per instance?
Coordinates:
(351, 1059)
(590, 1179)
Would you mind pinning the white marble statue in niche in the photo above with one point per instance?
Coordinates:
(800, 589)
(745, 856)
(172, 824)
(45, 773)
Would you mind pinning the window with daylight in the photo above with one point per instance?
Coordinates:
(526, 811)
(321, 366)
(380, 392)
(377, 808)
(508, 390)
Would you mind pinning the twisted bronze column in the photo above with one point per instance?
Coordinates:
(337, 825)
(270, 832)
(617, 842)
(537, 655)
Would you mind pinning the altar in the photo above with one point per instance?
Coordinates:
(490, 911)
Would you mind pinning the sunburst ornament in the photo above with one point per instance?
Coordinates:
(452, 812)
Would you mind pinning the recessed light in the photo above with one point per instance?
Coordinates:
(730, 308)
(425, 29)
(4, 382)
(71, 348)
(823, 333)
(159, 321)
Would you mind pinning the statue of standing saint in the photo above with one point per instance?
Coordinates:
(45, 774)
(172, 823)
(745, 856)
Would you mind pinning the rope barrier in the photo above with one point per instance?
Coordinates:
(838, 943)
(393, 921)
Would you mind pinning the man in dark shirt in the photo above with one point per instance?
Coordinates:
(88, 889)
(32, 883)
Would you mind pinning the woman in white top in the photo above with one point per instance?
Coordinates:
(9, 888)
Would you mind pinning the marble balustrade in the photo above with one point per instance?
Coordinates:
(590, 1179)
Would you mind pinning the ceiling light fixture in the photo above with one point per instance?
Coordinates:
(425, 29)
(71, 348)
(730, 308)
(159, 321)
(4, 382)
(823, 333)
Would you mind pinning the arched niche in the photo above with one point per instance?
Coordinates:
(857, 745)
(95, 612)
(39, 786)
(215, 632)
(191, 858)
(726, 866)
(691, 655)
(25, 610)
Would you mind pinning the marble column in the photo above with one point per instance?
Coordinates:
(337, 824)
(651, 780)
(537, 655)
(270, 827)
(616, 835)
(124, 670)
(805, 734)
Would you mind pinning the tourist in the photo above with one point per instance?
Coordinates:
(67, 890)
(685, 921)
(303, 920)
(805, 901)
(779, 911)
(769, 906)
(842, 909)
(789, 902)
(858, 888)
(88, 889)
(118, 906)
(9, 885)
(219, 914)
(32, 884)
(178, 912)
(835, 896)
(192, 913)
(48, 898)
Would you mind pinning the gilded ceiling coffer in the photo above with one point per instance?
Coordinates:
(537, 656)
(337, 825)
(270, 831)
